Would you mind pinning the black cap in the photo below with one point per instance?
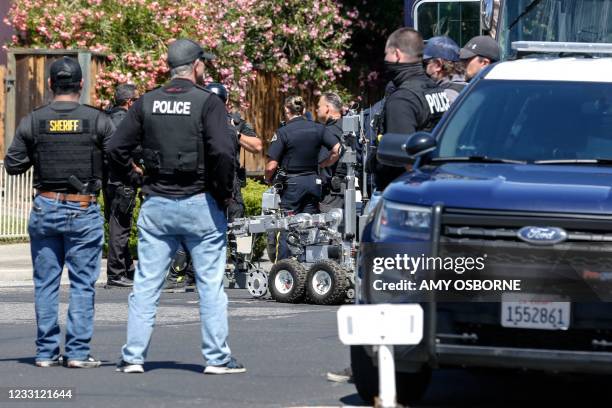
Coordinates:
(183, 52)
(483, 46)
(125, 92)
(65, 71)
(218, 89)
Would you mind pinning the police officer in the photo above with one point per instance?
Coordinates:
(120, 198)
(441, 60)
(478, 53)
(295, 150)
(188, 155)
(416, 104)
(64, 141)
(246, 137)
(329, 112)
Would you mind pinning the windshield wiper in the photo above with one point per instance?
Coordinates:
(575, 161)
(476, 159)
(527, 10)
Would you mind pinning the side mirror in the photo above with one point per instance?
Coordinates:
(486, 14)
(396, 149)
(419, 144)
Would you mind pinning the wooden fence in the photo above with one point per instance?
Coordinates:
(27, 73)
(265, 114)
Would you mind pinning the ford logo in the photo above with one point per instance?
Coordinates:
(542, 235)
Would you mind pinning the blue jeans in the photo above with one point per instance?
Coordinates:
(163, 223)
(63, 232)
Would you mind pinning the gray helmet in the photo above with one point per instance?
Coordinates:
(219, 89)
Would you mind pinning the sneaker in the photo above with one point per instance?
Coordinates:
(174, 285)
(231, 367)
(89, 362)
(129, 368)
(344, 376)
(50, 363)
(120, 282)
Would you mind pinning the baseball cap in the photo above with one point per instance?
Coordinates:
(483, 46)
(441, 47)
(65, 70)
(184, 51)
(125, 92)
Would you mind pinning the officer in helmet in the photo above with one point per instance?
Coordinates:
(188, 154)
(245, 136)
(64, 141)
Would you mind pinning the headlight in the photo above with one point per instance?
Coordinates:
(402, 221)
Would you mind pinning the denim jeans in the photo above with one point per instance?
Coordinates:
(64, 233)
(163, 223)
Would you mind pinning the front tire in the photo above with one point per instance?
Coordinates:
(326, 283)
(287, 281)
(410, 387)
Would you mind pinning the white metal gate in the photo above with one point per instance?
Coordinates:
(15, 203)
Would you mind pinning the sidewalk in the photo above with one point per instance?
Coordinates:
(16, 266)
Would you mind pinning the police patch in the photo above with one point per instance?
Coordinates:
(273, 138)
(64, 126)
(438, 102)
(171, 108)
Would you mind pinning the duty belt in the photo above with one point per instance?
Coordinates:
(303, 173)
(84, 199)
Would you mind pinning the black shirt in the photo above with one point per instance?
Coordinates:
(219, 148)
(334, 127)
(117, 114)
(20, 155)
(296, 145)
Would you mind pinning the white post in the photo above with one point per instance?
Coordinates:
(386, 376)
(382, 326)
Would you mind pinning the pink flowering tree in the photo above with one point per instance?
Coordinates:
(304, 42)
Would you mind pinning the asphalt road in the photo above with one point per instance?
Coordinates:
(286, 348)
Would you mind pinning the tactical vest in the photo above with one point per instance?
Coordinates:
(433, 98)
(65, 144)
(172, 142)
(455, 86)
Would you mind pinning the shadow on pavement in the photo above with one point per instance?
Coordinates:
(172, 365)
(353, 400)
(22, 360)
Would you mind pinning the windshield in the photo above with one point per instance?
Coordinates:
(531, 120)
(555, 20)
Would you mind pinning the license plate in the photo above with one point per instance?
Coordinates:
(535, 312)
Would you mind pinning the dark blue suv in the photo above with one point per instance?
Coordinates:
(519, 171)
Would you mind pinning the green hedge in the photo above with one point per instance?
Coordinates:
(251, 194)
